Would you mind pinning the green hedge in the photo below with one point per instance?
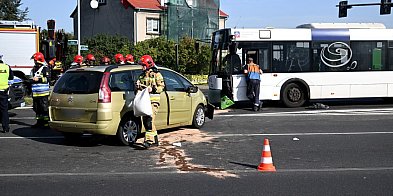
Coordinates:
(197, 79)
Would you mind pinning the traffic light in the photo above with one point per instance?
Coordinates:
(342, 9)
(386, 7)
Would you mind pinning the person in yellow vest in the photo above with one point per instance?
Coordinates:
(253, 74)
(151, 79)
(5, 75)
(40, 90)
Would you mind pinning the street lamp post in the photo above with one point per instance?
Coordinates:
(79, 27)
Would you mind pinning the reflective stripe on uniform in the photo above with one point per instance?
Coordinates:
(155, 97)
(149, 136)
(40, 89)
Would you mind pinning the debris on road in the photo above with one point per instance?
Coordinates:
(317, 106)
(170, 156)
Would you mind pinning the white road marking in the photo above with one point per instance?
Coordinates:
(23, 108)
(22, 118)
(349, 169)
(347, 112)
(227, 135)
(341, 169)
(295, 134)
(33, 137)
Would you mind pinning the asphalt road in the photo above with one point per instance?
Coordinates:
(345, 150)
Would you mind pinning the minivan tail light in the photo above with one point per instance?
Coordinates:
(104, 95)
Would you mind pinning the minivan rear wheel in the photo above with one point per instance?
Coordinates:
(199, 117)
(128, 131)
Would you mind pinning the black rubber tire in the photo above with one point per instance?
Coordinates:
(293, 95)
(199, 117)
(128, 125)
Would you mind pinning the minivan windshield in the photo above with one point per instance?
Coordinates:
(83, 82)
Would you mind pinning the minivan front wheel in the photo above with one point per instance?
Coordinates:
(199, 117)
(128, 131)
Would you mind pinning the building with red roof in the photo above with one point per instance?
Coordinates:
(139, 20)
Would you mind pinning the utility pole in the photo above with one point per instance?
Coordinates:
(79, 27)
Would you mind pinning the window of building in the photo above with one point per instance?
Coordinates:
(101, 2)
(177, 2)
(153, 25)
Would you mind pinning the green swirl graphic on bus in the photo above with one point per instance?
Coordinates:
(337, 54)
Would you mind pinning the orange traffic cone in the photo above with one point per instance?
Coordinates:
(266, 159)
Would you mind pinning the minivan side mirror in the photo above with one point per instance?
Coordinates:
(192, 89)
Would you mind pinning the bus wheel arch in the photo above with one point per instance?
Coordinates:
(295, 93)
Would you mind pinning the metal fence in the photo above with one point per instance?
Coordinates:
(193, 18)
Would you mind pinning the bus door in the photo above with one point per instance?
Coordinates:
(260, 56)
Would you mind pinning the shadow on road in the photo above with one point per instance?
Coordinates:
(49, 136)
(245, 164)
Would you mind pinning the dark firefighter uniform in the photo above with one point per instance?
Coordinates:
(40, 92)
(5, 75)
(153, 78)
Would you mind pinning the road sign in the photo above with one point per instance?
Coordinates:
(72, 42)
(84, 47)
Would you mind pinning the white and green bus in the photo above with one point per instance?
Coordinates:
(312, 61)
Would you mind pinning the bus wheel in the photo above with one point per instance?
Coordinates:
(293, 95)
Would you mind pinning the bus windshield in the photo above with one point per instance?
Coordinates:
(225, 60)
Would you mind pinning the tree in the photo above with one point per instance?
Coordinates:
(192, 59)
(102, 45)
(161, 50)
(9, 10)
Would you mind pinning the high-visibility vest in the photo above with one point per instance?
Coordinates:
(4, 75)
(254, 71)
(40, 89)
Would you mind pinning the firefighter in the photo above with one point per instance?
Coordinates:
(90, 60)
(129, 59)
(5, 75)
(40, 90)
(78, 62)
(105, 61)
(119, 59)
(151, 79)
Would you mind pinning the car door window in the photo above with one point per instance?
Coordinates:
(172, 81)
(121, 81)
(184, 81)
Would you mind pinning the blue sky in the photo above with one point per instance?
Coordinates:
(242, 13)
